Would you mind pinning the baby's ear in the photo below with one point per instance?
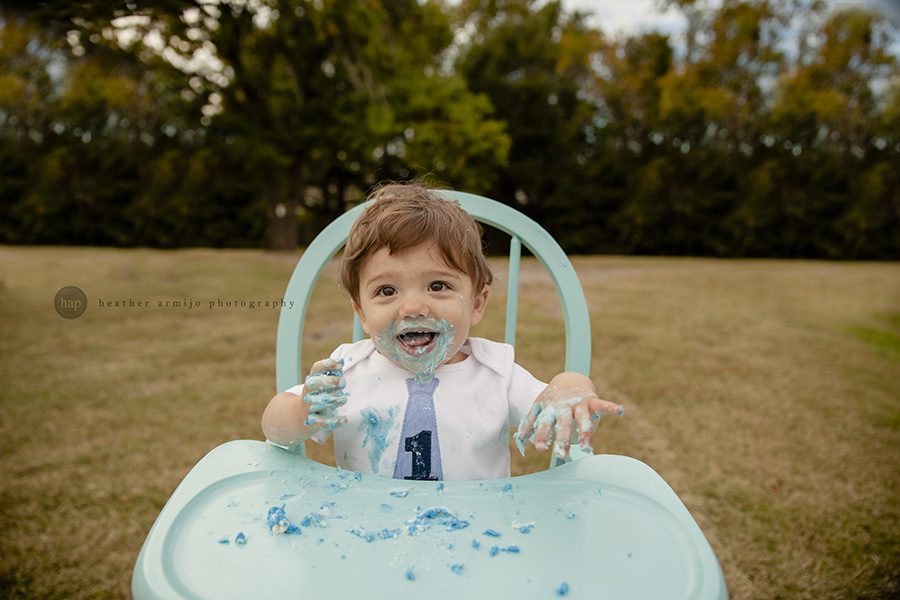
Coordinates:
(362, 319)
(479, 304)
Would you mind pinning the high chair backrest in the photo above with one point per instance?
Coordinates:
(523, 231)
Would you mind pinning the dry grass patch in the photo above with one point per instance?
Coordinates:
(767, 393)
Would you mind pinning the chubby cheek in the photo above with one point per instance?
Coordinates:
(462, 311)
(462, 305)
(377, 320)
(452, 309)
(380, 323)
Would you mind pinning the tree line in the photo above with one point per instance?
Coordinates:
(765, 129)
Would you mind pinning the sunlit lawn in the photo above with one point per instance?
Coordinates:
(767, 393)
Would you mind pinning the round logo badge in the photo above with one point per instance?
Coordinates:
(70, 302)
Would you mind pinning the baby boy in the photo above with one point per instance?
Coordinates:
(420, 398)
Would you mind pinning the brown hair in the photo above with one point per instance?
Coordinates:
(404, 215)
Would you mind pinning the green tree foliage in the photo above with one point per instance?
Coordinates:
(24, 82)
(841, 148)
(326, 93)
(100, 128)
(532, 61)
(711, 116)
(767, 128)
(300, 106)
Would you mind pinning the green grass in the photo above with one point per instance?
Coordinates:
(767, 393)
(884, 335)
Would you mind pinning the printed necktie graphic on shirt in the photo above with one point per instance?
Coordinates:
(419, 455)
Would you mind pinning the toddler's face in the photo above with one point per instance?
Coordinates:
(416, 308)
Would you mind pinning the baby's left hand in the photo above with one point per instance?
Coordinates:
(568, 410)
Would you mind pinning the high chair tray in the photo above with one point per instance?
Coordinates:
(602, 527)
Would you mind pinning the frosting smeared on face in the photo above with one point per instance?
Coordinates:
(419, 345)
(416, 308)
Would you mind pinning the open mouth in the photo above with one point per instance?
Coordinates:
(417, 341)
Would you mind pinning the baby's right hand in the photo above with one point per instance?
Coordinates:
(323, 393)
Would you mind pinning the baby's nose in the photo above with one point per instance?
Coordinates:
(413, 305)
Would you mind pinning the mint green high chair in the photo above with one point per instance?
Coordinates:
(600, 526)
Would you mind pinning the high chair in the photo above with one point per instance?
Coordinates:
(602, 526)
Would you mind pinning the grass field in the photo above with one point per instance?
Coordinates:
(767, 393)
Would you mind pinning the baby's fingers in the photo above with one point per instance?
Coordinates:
(563, 432)
(322, 401)
(526, 425)
(327, 366)
(544, 434)
(600, 407)
(325, 422)
(323, 383)
(585, 424)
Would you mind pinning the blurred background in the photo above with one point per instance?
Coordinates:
(689, 127)
(150, 149)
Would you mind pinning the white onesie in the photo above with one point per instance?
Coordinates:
(458, 424)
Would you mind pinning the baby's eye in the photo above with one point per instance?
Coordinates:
(385, 290)
(438, 286)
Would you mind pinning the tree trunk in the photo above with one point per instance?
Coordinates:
(282, 212)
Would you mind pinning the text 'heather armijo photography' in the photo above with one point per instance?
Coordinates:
(71, 302)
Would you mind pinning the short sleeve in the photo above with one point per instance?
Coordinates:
(523, 389)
